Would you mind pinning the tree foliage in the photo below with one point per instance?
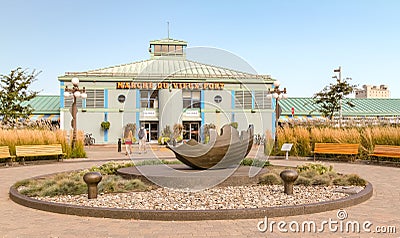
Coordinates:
(14, 92)
(329, 99)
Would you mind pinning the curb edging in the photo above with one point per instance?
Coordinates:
(191, 215)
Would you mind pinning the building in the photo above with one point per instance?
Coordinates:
(45, 107)
(369, 91)
(164, 90)
(365, 109)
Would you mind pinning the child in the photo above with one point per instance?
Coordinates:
(128, 143)
(142, 134)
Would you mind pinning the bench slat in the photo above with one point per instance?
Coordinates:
(386, 151)
(5, 152)
(38, 150)
(335, 148)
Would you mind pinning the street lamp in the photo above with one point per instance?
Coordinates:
(339, 80)
(75, 93)
(277, 94)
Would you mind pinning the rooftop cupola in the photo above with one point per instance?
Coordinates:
(167, 47)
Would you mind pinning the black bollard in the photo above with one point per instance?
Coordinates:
(119, 144)
(92, 179)
(288, 176)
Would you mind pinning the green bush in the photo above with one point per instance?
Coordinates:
(318, 168)
(157, 162)
(163, 140)
(110, 168)
(322, 180)
(340, 181)
(303, 181)
(270, 179)
(254, 162)
(135, 185)
(354, 179)
(73, 184)
(105, 125)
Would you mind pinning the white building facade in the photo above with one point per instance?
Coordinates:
(369, 91)
(165, 90)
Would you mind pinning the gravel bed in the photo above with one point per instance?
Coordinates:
(237, 197)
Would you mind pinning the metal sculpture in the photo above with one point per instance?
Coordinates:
(222, 151)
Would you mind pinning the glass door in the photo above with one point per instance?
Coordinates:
(191, 130)
(152, 130)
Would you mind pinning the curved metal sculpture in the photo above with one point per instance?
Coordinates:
(222, 151)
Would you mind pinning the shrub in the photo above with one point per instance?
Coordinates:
(354, 179)
(270, 179)
(318, 168)
(105, 125)
(254, 162)
(163, 140)
(340, 181)
(303, 181)
(323, 180)
(110, 168)
(135, 184)
(156, 162)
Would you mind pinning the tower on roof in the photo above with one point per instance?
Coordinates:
(167, 47)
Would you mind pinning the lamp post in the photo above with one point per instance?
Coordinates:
(75, 93)
(339, 80)
(277, 94)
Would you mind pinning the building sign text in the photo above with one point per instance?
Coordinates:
(167, 85)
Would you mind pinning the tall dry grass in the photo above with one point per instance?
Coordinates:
(14, 137)
(304, 138)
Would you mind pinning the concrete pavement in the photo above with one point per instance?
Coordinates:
(382, 209)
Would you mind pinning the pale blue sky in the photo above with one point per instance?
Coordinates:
(297, 42)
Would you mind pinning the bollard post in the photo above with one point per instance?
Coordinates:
(92, 179)
(288, 176)
(119, 144)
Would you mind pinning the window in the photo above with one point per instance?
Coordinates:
(149, 98)
(261, 100)
(68, 102)
(191, 99)
(95, 98)
(243, 99)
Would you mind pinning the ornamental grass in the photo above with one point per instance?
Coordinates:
(13, 137)
(304, 138)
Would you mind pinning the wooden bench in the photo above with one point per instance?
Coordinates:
(23, 151)
(390, 151)
(335, 148)
(5, 154)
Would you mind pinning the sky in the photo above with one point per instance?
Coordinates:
(299, 43)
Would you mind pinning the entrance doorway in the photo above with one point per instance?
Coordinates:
(191, 130)
(152, 130)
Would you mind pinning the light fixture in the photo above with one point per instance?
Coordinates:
(77, 94)
(67, 94)
(75, 81)
(277, 83)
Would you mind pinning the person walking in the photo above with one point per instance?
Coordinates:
(128, 143)
(142, 135)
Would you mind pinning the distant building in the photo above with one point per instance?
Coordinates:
(369, 91)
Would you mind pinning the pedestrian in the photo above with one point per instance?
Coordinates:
(128, 143)
(142, 135)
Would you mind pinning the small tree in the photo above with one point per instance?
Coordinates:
(14, 91)
(330, 98)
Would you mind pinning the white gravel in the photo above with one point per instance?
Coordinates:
(237, 197)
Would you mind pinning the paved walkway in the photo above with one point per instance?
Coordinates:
(18, 221)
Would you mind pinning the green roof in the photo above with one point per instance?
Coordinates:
(172, 68)
(44, 104)
(363, 107)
